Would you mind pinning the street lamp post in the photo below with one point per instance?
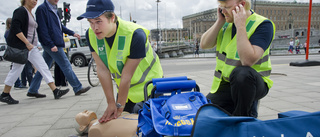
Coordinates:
(157, 24)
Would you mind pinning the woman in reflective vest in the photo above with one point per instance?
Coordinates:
(130, 74)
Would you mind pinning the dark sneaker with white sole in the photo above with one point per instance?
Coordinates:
(9, 100)
(58, 93)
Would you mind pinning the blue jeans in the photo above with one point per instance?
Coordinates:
(62, 60)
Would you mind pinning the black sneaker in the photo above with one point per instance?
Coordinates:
(36, 95)
(83, 90)
(59, 93)
(9, 100)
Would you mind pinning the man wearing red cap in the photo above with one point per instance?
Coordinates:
(242, 39)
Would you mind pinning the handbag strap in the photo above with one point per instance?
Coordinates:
(34, 33)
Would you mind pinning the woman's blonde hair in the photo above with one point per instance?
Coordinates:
(22, 2)
(8, 23)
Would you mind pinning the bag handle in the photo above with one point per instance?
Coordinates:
(34, 33)
(174, 87)
(154, 81)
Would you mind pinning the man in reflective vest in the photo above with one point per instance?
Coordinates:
(242, 39)
(121, 50)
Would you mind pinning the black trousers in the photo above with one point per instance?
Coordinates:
(59, 78)
(132, 107)
(27, 74)
(240, 96)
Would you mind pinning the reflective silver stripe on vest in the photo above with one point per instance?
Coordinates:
(234, 62)
(264, 59)
(217, 74)
(221, 56)
(145, 73)
(265, 73)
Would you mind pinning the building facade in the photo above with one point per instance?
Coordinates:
(170, 35)
(285, 15)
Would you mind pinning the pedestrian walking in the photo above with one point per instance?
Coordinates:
(196, 50)
(23, 35)
(297, 45)
(243, 68)
(51, 38)
(305, 47)
(291, 46)
(17, 83)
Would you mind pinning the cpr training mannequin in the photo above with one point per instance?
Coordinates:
(124, 126)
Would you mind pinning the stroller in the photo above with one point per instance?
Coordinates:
(172, 107)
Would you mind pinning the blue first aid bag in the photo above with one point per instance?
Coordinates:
(212, 121)
(173, 112)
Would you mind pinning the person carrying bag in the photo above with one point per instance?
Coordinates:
(17, 55)
(23, 36)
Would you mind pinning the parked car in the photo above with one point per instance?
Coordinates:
(79, 52)
(3, 47)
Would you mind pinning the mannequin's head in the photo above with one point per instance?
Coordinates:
(83, 119)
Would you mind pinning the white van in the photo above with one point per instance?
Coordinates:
(79, 52)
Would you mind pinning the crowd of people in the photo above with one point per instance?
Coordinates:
(296, 45)
(24, 32)
(122, 52)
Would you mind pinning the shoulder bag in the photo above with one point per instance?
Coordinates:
(17, 55)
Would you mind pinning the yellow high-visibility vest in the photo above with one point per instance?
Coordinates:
(227, 55)
(115, 58)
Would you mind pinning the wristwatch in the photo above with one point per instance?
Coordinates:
(119, 105)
